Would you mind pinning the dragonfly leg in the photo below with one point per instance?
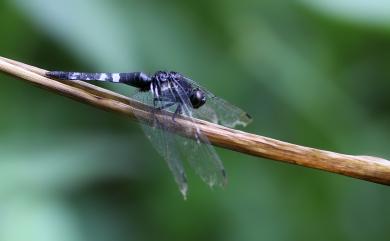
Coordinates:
(160, 99)
(164, 106)
(177, 111)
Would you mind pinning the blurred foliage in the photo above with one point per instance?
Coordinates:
(310, 72)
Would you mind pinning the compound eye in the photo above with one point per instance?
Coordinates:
(197, 98)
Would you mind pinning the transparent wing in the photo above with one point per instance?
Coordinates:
(174, 148)
(219, 110)
(199, 152)
(207, 113)
(226, 113)
(164, 142)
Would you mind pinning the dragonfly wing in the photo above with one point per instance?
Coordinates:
(199, 152)
(165, 142)
(219, 110)
(205, 112)
(228, 114)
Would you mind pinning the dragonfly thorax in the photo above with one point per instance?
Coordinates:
(171, 85)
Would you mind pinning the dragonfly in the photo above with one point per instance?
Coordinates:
(176, 94)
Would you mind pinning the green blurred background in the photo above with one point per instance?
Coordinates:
(314, 73)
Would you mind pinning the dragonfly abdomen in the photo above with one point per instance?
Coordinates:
(136, 79)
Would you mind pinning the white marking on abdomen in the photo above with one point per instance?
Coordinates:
(116, 77)
(74, 76)
(103, 77)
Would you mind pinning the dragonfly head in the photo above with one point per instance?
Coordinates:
(197, 98)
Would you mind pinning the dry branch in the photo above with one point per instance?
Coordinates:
(368, 168)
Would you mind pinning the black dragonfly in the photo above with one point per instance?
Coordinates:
(173, 92)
